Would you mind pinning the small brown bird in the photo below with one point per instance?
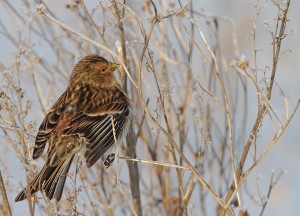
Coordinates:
(80, 120)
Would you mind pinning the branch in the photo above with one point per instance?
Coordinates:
(4, 196)
(263, 109)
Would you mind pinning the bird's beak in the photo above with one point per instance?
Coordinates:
(114, 66)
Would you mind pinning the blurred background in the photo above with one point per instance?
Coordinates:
(37, 56)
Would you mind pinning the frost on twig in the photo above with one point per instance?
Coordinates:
(41, 8)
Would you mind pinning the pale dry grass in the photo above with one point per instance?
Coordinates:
(187, 142)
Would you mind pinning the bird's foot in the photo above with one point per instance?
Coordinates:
(109, 160)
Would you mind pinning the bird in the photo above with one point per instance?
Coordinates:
(88, 117)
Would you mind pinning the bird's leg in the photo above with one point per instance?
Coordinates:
(108, 160)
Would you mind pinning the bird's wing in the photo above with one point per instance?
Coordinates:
(95, 124)
(48, 125)
(90, 117)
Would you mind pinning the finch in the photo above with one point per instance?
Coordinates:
(81, 120)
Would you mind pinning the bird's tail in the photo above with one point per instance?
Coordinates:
(51, 180)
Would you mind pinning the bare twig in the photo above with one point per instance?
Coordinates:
(261, 113)
(4, 196)
(117, 170)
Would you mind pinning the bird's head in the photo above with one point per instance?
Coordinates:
(94, 70)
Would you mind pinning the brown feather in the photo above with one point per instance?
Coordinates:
(80, 119)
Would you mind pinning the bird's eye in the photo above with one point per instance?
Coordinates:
(103, 70)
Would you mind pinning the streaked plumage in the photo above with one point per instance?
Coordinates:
(80, 120)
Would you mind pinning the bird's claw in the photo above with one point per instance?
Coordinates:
(109, 160)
